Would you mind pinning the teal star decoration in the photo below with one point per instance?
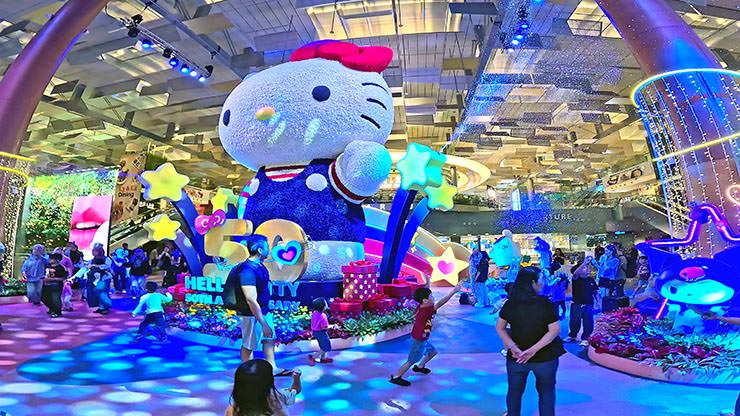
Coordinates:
(441, 197)
(421, 167)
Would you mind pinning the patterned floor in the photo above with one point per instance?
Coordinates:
(85, 364)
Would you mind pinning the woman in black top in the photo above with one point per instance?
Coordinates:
(534, 343)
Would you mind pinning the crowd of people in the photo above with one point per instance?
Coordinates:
(528, 323)
(56, 279)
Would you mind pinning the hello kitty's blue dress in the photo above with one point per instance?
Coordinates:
(309, 200)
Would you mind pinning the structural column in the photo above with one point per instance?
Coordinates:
(22, 87)
(691, 110)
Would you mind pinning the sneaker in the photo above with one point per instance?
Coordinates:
(399, 381)
(311, 360)
(584, 343)
(326, 360)
(103, 311)
(56, 315)
(569, 339)
(422, 370)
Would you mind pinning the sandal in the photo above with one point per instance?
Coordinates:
(284, 373)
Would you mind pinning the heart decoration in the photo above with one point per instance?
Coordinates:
(287, 254)
(733, 193)
(445, 267)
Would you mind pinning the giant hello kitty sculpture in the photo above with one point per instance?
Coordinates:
(314, 131)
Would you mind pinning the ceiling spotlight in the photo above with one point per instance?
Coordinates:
(208, 69)
(524, 25)
(185, 69)
(194, 73)
(174, 62)
(515, 42)
(519, 36)
(167, 52)
(137, 19)
(133, 32)
(202, 78)
(146, 44)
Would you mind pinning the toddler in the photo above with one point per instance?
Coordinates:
(557, 293)
(152, 304)
(67, 296)
(421, 351)
(319, 328)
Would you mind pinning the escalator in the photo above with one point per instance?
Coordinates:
(650, 211)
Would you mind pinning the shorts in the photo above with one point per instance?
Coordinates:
(322, 337)
(252, 338)
(420, 349)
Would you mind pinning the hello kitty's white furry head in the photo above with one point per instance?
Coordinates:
(330, 94)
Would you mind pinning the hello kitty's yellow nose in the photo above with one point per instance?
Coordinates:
(265, 113)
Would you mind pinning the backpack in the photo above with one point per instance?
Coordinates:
(232, 295)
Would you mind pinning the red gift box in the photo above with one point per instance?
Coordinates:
(361, 266)
(178, 292)
(360, 280)
(339, 305)
(398, 291)
(382, 305)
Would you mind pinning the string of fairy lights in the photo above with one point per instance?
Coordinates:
(692, 130)
(14, 171)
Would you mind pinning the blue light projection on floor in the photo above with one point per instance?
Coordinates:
(118, 359)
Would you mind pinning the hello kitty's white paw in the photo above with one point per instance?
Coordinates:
(363, 167)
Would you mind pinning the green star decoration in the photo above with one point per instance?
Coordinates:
(163, 182)
(223, 198)
(420, 167)
(441, 197)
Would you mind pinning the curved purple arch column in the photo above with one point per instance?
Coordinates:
(690, 116)
(23, 84)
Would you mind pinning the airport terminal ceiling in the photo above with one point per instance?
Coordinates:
(555, 112)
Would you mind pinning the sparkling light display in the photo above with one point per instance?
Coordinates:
(14, 178)
(164, 182)
(693, 117)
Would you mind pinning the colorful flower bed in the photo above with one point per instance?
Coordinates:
(290, 326)
(628, 334)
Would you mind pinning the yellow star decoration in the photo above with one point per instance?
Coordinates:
(223, 198)
(446, 267)
(164, 182)
(162, 228)
(420, 167)
(441, 198)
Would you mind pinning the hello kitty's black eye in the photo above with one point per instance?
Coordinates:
(227, 117)
(321, 93)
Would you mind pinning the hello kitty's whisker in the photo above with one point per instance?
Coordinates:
(277, 133)
(374, 101)
(311, 130)
(375, 85)
(370, 119)
(274, 120)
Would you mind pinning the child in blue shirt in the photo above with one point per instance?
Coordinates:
(152, 304)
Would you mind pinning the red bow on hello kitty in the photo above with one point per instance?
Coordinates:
(359, 58)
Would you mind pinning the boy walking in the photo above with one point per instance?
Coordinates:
(152, 304)
(421, 350)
